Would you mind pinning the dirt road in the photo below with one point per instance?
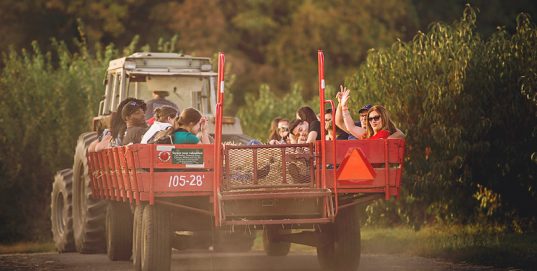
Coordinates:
(204, 261)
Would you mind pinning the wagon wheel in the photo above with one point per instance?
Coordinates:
(156, 238)
(272, 246)
(137, 237)
(118, 231)
(339, 247)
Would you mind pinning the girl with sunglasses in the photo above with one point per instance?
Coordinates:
(279, 131)
(379, 124)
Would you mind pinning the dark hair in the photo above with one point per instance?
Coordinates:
(131, 107)
(306, 113)
(189, 117)
(294, 124)
(328, 111)
(162, 113)
(117, 125)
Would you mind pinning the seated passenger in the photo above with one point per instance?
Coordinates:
(279, 132)
(133, 113)
(112, 137)
(340, 134)
(350, 126)
(306, 114)
(164, 117)
(189, 123)
(379, 125)
(299, 131)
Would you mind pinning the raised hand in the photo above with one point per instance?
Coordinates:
(345, 95)
(340, 92)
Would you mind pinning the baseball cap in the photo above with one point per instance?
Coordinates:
(131, 107)
(365, 108)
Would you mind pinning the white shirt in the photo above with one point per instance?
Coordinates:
(155, 128)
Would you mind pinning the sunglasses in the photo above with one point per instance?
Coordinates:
(283, 128)
(375, 118)
(327, 120)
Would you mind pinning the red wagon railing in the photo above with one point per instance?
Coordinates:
(233, 175)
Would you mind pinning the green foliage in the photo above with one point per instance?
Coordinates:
(46, 100)
(466, 105)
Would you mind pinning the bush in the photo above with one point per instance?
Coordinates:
(468, 107)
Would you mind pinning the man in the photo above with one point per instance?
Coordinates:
(159, 100)
(134, 116)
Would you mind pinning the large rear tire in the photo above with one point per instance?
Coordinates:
(156, 239)
(271, 245)
(61, 211)
(340, 242)
(137, 238)
(118, 231)
(88, 213)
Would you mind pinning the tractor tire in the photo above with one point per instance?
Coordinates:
(88, 213)
(341, 247)
(137, 238)
(156, 239)
(61, 211)
(272, 247)
(234, 241)
(118, 231)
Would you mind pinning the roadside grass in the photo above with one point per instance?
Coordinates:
(476, 244)
(27, 247)
(472, 244)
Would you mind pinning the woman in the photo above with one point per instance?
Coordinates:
(379, 124)
(306, 114)
(164, 117)
(299, 131)
(377, 118)
(189, 123)
(279, 131)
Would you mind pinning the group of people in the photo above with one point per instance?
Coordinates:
(130, 124)
(375, 123)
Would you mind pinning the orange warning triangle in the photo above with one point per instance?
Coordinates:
(355, 167)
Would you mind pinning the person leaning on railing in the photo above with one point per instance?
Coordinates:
(133, 113)
(185, 128)
(379, 124)
(164, 118)
(279, 131)
(112, 137)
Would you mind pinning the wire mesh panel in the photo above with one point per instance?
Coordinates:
(266, 166)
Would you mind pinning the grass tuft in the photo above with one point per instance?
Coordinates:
(27, 247)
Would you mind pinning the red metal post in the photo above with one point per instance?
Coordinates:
(320, 66)
(387, 169)
(218, 138)
(334, 148)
